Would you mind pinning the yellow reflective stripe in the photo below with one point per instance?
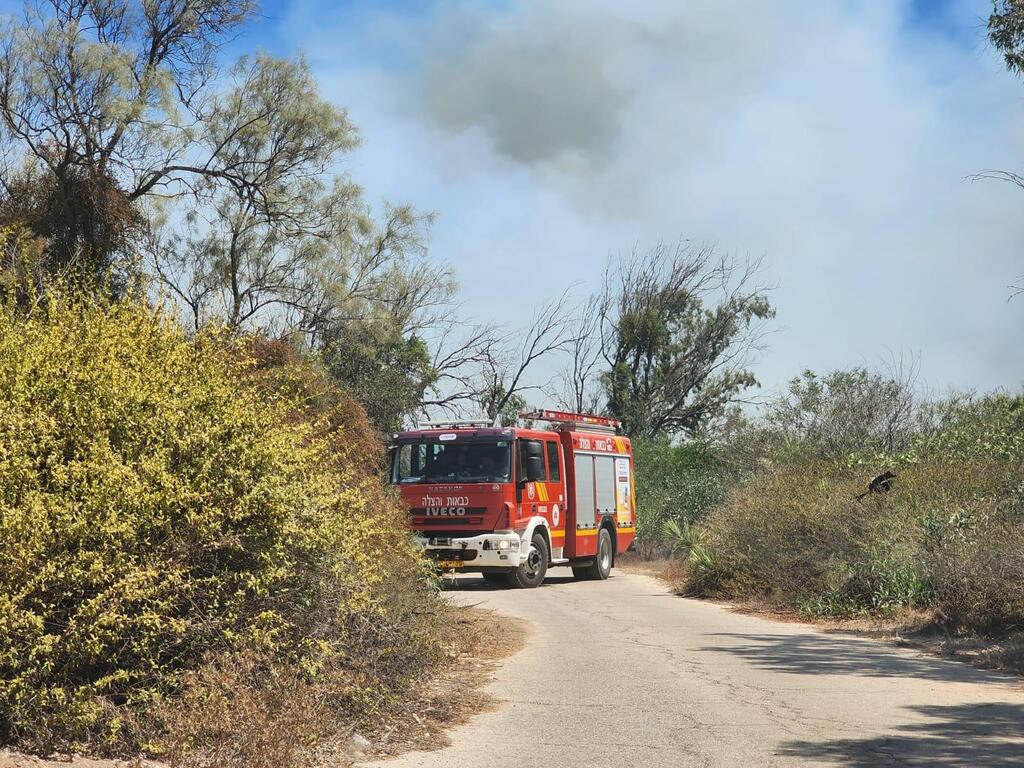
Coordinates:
(593, 531)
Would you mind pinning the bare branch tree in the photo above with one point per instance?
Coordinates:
(459, 352)
(501, 374)
(578, 386)
(1016, 289)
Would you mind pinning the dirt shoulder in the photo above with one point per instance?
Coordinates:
(454, 694)
(10, 759)
(479, 639)
(906, 628)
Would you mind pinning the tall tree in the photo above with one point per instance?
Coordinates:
(677, 325)
(106, 104)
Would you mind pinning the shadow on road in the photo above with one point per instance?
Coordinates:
(975, 735)
(818, 654)
(475, 583)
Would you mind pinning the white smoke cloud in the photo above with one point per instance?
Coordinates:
(831, 137)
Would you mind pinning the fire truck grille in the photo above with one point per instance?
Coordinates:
(464, 555)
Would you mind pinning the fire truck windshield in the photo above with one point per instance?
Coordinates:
(457, 461)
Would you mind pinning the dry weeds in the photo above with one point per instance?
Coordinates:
(259, 727)
(481, 638)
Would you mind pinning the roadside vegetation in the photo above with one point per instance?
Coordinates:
(797, 526)
(197, 556)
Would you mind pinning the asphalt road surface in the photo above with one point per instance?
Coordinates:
(621, 673)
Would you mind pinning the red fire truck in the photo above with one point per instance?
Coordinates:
(509, 502)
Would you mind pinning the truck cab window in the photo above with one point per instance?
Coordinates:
(554, 474)
(464, 462)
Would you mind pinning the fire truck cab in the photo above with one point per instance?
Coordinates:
(509, 502)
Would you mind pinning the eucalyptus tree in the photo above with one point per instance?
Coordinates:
(1006, 32)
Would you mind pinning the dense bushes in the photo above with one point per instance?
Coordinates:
(167, 502)
(674, 483)
(949, 535)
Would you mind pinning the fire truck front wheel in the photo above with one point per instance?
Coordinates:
(602, 565)
(531, 571)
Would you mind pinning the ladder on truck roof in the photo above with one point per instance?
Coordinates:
(574, 421)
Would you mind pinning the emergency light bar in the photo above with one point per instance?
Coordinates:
(454, 424)
(571, 418)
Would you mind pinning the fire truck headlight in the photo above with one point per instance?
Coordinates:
(504, 544)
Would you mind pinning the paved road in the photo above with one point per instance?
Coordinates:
(621, 673)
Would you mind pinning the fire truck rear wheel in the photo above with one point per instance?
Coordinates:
(531, 572)
(602, 565)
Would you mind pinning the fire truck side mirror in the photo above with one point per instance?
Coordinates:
(533, 460)
(534, 468)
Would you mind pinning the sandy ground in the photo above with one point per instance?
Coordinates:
(10, 759)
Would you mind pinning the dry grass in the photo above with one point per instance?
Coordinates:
(480, 639)
(1002, 654)
(9, 759)
(242, 713)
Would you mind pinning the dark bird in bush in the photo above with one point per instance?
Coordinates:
(880, 484)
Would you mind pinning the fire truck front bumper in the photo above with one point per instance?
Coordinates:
(489, 550)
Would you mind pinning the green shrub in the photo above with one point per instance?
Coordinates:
(796, 536)
(990, 427)
(785, 536)
(948, 536)
(163, 499)
(977, 566)
(842, 417)
(674, 483)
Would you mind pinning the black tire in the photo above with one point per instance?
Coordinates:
(531, 573)
(601, 566)
(495, 577)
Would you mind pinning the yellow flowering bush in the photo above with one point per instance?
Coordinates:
(163, 499)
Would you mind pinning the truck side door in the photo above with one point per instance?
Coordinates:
(554, 494)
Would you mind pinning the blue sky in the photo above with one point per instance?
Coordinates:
(831, 138)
